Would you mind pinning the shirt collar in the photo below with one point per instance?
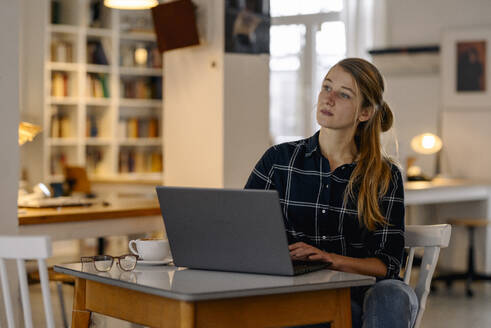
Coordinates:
(312, 144)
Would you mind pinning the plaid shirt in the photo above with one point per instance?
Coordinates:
(314, 209)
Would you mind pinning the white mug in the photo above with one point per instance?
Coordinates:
(150, 249)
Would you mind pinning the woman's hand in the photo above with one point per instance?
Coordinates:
(305, 252)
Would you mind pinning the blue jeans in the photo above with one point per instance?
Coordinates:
(387, 304)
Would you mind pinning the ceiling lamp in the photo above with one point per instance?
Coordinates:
(130, 4)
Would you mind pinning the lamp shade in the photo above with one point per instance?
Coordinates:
(426, 143)
(130, 4)
(27, 132)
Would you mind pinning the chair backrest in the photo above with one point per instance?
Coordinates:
(21, 248)
(431, 238)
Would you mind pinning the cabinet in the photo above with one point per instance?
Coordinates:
(102, 92)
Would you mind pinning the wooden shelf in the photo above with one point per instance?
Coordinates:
(100, 154)
(140, 142)
(62, 141)
(58, 66)
(97, 141)
(138, 36)
(141, 71)
(94, 68)
(98, 101)
(100, 32)
(63, 101)
(62, 28)
(125, 102)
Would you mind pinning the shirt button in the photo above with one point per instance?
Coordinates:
(327, 186)
(323, 211)
(324, 237)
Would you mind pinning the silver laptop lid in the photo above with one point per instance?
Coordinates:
(225, 229)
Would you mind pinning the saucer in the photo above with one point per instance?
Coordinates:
(159, 262)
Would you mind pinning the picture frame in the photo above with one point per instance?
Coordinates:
(465, 68)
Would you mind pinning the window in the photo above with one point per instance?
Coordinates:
(306, 39)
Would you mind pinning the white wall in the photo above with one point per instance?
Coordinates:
(193, 116)
(246, 115)
(419, 22)
(416, 98)
(216, 110)
(9, 95)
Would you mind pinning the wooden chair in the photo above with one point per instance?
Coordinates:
(431, 238)
(23, 248)
(470, 275)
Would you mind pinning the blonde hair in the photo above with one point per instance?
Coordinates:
(372, 174)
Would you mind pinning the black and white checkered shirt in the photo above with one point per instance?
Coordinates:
(312, 199)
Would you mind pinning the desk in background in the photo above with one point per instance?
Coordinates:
(440, 199)
(120, 217)
(166, 296)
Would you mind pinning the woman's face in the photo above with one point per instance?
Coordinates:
(338, 101)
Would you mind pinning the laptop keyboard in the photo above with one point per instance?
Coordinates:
(300, 267)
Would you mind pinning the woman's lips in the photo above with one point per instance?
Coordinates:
(326, 112)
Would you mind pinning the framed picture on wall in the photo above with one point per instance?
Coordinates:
(465, 67)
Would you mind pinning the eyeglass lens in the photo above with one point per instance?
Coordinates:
(127, 262)
(103, 262)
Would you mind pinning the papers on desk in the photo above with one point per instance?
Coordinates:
(55, 202)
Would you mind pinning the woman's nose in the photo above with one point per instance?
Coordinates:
(330, 97)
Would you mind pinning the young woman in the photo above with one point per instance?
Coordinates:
(342, 199)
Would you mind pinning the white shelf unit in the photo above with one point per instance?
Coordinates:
(85, 106)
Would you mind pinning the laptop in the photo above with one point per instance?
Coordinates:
(228, 230)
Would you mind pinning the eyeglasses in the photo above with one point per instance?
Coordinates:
(104, 263)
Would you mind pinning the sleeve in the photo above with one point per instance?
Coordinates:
(387, 242)
(261, 175)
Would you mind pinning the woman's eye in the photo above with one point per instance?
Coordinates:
(345, 95)
(327, 88)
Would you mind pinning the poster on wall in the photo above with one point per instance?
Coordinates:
(464, 68)
(247, 24)
(471, 65)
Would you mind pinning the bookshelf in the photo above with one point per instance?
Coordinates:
(102, 92)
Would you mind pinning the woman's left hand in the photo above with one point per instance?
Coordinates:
(305, 252)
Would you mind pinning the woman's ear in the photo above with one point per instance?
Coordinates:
(365, 114)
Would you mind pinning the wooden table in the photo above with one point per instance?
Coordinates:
(120, 217)
(166, 296)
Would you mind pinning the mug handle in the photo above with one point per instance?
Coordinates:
(132, 247)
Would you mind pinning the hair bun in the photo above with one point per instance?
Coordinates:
(387, 117)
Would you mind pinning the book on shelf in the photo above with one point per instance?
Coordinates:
(91, 126)
(139, 161)
(60, 126)
(97, 85)
(61, 51)
(94, 157)
(59, 84)
(96, 53)
(134, 127)
(142, 88)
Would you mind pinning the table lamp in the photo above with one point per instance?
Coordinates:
(130, 4)
(426, 143)
(27, 132)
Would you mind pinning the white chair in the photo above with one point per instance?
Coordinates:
(23, 248)
(431, 238)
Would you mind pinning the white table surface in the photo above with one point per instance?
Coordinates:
(195, 285)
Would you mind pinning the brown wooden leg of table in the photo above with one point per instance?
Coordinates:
(344, 297)
(80, 315)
